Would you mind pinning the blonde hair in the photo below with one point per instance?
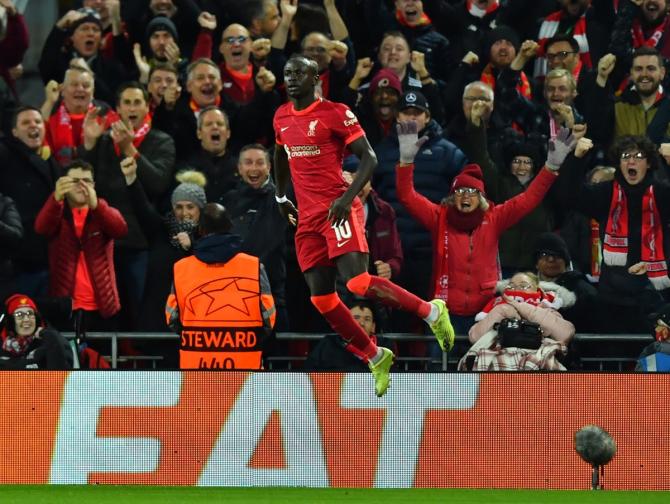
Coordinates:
(558, 73)
(191, 177)
(532, 276)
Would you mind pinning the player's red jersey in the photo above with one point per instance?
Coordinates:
(314, 140)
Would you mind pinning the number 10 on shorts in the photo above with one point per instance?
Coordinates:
(343, 231)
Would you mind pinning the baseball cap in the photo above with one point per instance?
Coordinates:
(414, 99)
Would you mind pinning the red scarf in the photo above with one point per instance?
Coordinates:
(550, 27)
(462, 222)
(615, 247)
(423, 21)
(537, 298)
(197, 108)
(139, 135)
(596, 250)
(61, 136)
(639, 38)
(480, 13)
(16, 345)
(523, 87)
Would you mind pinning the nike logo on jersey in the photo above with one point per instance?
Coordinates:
(342, 244)
(283, 129)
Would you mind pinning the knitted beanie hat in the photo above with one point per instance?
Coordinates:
(470, 176)
(162, 23)
(190, 189)
(551, 243)
(17, 301)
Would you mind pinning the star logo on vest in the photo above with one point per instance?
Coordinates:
(224, 297)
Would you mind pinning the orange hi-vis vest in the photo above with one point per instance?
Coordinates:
(220, 311)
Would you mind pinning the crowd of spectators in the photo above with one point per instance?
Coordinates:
(153, 108)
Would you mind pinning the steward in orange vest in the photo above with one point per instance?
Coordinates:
(220, 303)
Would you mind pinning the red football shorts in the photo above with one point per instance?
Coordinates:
(317, 242)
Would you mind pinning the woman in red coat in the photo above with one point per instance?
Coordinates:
(466, 227)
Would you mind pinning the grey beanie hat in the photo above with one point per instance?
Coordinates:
(188, 191)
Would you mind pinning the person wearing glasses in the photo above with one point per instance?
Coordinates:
(632, 212)
(562, 51)
(27, 343)
(588, 22)
(436, 163)
(543, 342)
(81, 229)
(329, 46)
(540, 117)
(466, 227)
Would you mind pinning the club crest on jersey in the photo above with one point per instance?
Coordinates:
(352, 118)
(312, 127)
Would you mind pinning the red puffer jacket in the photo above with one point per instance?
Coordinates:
(472, 259)
(103, 225)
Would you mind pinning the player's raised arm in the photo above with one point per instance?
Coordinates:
(339, 210)
(282, 174)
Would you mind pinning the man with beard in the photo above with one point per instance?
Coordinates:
(183, 13)
(503, 48)
(640, 23)
(581, 20)
(642, 110)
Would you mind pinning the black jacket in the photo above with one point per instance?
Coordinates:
(55, 60)
(155, 167)
(50, 351)
(162, 256)
(221, 172)
(616, 286)
(29, 181)
(11, 231)
(257, 220)
(249, 123)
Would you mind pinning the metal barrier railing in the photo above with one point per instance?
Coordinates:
(448, 359)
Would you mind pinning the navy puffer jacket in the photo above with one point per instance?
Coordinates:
(436, 164)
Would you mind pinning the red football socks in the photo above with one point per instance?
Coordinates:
(340, 319)
(385, 291)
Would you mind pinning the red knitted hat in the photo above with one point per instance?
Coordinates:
(470, 176)
(17, 301)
